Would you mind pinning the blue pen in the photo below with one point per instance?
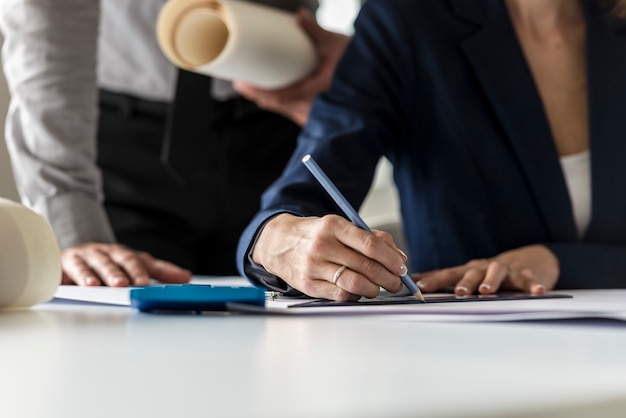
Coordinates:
(352, 214)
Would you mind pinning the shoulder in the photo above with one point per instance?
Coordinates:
(416, 17)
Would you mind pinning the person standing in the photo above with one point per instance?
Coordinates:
(91, 129)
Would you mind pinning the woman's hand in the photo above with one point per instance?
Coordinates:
(295, 101)
(308, 253)
(532, 269)
(96, 264)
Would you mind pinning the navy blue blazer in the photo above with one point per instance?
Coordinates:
(442, 89)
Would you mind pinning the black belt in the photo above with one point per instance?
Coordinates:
(130, 106)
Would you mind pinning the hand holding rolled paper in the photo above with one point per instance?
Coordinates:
(236, 40)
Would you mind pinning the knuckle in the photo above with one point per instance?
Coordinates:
(477, 262)
(318, 244)
(330, 222)
(499, 265)
(126, 257)
(371, 244)
(370, 268)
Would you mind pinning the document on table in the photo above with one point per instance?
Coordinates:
(607, 304)
(120, 296)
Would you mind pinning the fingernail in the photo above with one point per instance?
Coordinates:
(403, 270)
(403, 254)
(422, 283)
(462, 291)
(540, 289)
(116, 281)
(91, 281)
(486, 287)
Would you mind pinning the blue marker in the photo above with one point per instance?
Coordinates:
(352, 214)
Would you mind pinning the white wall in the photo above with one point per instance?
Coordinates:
(7, 185)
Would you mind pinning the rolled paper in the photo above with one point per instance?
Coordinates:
(30, 259)
(236, 40)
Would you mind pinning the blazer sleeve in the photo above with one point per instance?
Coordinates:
(349, 129)
(581, 264)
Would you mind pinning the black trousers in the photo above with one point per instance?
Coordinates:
(197, 224)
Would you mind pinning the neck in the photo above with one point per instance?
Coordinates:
(545, 16)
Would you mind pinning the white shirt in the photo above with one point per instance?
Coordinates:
(55, 55)
(577, 172)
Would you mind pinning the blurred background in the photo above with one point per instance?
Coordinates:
(381, 207)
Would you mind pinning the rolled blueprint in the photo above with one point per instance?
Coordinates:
(236, 40)
(30, 259)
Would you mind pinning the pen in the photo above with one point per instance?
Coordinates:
(352, 214)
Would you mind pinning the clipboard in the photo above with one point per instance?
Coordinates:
(195, 298)
(390, 299)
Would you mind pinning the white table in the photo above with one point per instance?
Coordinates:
(71, 361)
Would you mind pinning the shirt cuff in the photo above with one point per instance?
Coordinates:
(76, 219)
(257, 274)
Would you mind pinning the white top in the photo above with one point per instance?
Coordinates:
(577, 172)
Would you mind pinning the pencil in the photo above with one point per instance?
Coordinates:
(352, 214)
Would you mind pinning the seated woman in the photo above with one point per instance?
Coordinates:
(505, 122)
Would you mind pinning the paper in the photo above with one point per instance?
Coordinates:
(236, 40)
(120, 296)
(584, 304)
(30, 259)
(606, 304)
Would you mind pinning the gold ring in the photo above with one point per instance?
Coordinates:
(338, 273)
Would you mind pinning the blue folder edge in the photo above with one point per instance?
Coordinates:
(189, 297)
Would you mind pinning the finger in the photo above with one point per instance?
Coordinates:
(369, 270)
(66, 280)
(363, 268)
(326, 290)
(470, 281)
(526, 281)
(77, 271)
(373, 249)
(385, 236)
(164, 271)
(354, 283)
(441, 278)
(130, 262)
(496, 273)
(107, 270)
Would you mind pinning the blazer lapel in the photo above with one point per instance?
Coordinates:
(606, 51)
(498, 62)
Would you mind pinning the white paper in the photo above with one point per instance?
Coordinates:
(104, 295)
(584, 304)
(606, 304)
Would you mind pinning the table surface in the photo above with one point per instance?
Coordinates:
(64, 360)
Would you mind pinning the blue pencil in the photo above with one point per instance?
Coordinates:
(352, 214)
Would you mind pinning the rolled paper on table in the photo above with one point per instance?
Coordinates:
(30, 259)
(236, 40)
